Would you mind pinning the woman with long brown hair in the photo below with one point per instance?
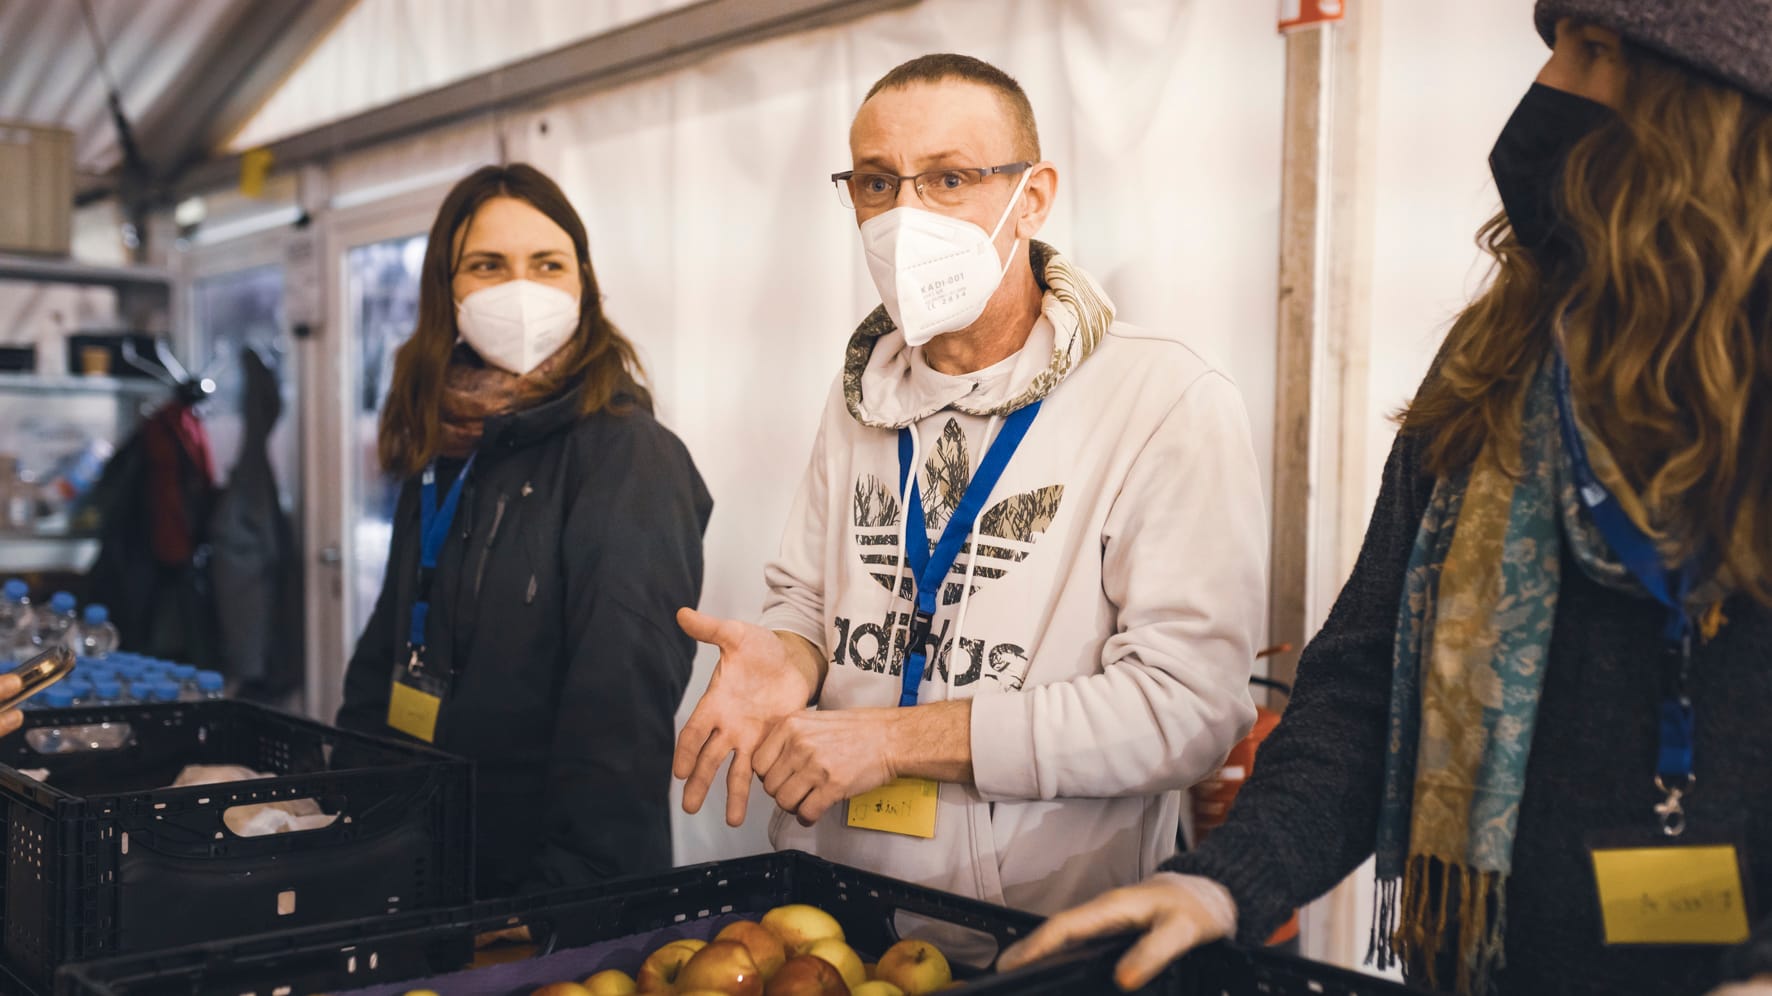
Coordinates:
(1542, 699)
(547, 531)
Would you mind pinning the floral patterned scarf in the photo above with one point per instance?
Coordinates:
(1473, 638)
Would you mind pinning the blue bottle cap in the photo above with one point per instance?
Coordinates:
(163, 691)
(16, 590)
(184, 672)
(58, 696)
(97, 614)
(108, 689)
(62, 602)
(210, 681)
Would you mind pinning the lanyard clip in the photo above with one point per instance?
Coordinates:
(1669, 810)
(414, 662)
(920, 634)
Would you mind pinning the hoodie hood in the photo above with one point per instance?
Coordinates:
(888, 387)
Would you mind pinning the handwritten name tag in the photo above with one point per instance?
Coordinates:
(1671, 895)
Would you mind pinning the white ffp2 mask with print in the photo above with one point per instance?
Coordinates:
(517, 324)
(935, 274)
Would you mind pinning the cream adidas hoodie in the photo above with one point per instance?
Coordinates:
(1103, 623)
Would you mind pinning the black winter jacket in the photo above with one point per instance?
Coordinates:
(1309, 813)
(553, 606)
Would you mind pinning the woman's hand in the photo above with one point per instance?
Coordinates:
(1176, 912)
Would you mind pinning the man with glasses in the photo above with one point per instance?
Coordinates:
(1022, 582)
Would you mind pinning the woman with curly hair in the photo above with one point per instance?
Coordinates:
(1552, 660)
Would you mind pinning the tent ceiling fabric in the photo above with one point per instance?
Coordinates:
(385, 50)
(49, 72)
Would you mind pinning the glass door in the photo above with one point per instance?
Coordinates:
(234, 313)
(373, 254)
(381, 280)
(235, 307)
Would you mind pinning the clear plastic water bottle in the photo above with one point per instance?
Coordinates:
(185, 676)
(49, 739)
(50, 627)
(211, 685)
(107, 691)
(80, 689)
(161, 690)
(15, 617)
(124, 667)
(97, 635)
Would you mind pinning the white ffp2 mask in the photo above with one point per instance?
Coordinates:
(517, 324)
(935, 274)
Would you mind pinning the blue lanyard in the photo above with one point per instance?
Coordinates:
(1637, 551)
(929, 570)
(434, 524)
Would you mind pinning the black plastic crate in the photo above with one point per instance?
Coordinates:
(102, 859)
(612, 926)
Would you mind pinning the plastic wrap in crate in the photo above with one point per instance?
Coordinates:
(614, 926)
(102, 858)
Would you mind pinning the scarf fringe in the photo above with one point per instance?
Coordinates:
(1381, 949)
(1438, 909)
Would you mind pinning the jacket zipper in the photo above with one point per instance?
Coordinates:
(498, 516)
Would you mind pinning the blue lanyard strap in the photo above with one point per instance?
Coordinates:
(434, 523)
(1637, 551)
(929, 570)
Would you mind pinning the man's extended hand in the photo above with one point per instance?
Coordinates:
(756, 684)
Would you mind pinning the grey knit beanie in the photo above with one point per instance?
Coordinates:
(1729, 39)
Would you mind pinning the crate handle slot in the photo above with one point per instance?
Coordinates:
(540, 932)
(80, 738)
(898, 927)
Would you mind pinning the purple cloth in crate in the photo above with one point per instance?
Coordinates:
(573, 965)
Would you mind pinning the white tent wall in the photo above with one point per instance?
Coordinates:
(1449, 76)
(724, 254)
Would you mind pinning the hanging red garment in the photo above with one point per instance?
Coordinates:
(154, 502)
(180, 482)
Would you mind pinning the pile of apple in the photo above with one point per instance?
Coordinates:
(796, 950)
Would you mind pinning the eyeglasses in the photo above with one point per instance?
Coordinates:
(948, 188)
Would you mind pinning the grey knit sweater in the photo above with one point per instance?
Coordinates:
(1309, 814)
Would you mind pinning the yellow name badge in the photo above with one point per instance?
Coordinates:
(905, 806)
(1671, 895)
(413, 712)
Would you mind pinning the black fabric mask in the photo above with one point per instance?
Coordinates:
(1527, 161)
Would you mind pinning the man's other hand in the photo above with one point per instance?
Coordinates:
(814, 759)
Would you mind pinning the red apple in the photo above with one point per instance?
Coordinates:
(766, 948)
(659, 972)
(807, 975)
(723, 966)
